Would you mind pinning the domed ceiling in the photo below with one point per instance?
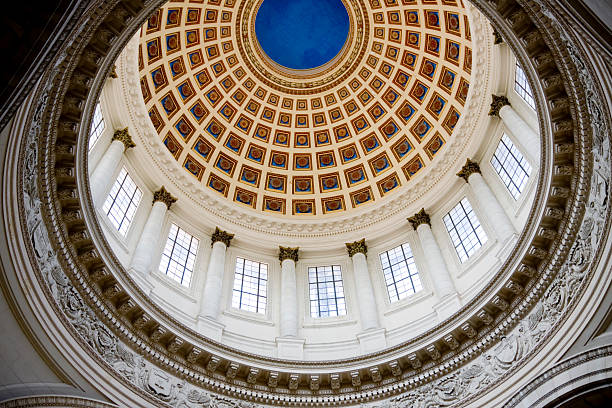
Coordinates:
(308, 142)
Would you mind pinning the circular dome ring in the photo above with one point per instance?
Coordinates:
(59, 172)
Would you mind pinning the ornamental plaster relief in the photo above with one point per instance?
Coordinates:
(388, 211)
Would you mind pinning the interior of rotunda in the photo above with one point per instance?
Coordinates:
(252, 203)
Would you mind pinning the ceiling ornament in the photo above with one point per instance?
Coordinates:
(329, 141)
(164, 196)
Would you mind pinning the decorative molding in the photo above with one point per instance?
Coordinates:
(288, 253)
(221, 236)
(164, 196)
(356, 247)
(497, 37)
(419, 218)
(470, 167)
(497, 103)
(58, 401)
(123, 135)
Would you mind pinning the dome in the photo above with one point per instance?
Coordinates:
(334, 203)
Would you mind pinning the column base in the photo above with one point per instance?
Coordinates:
(210, 327)
(141, 280)
(372, 340)
(447, 306)
(290, 348)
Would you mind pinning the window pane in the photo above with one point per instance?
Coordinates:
(522, 87)
(511, 166)
(178, 258)
(326, 291)
(97, 126)
(464, 229)
(250, 286)
(400, 271)
(122, 201)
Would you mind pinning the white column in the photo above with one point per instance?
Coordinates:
(289, 299)
(440, 277)
(213, 288)
(102, 176)
(526, 136)
(151, 233)
(488, 201)
(368, 311)
(521, 130)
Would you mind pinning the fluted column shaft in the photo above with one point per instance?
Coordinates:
(288, 300)
(440, 277)
(368, 311)
(211, 303)
(490, 204)
(102, 176)
(521, 130)
(149, 239)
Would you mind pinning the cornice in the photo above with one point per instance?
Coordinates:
(522, 312)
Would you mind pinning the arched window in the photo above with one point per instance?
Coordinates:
(178, 258)
(522, 87)
(464, 229)
(326, 291)
(511, 166)
(401, 274)
(250, 286)
(122, 202)
(97, 126)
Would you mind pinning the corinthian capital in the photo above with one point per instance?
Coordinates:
(288, 253)
(468, 169)
(164, 196)
(497, 103)
(221, 236)
(124, 137)
(356, 247)
(419, 218)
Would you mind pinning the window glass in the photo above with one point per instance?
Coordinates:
(464, 229)
(122, 202)
(401, 274)
(326, 291)
(97, 126)
(179, 255)
(522, 87)
(511, 166)
(250, 286)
